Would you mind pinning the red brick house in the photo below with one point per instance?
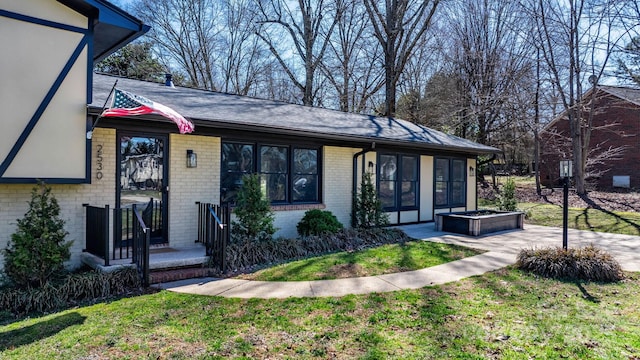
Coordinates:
(614, 151)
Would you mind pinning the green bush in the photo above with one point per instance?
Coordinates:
(367, 209)
(507, 198)
(37, 251)
(588, 263)
(85, 286)
(247, 254)
(317, 222)
(253, 212)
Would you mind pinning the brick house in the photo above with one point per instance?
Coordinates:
(614, 151)
(309, 158)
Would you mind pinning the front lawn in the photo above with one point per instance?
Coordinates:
(386, 259)
(506, 314)
(617, 222)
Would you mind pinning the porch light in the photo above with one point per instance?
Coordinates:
(371, 166)
(192, 159)
(566, 171)
(566, 168)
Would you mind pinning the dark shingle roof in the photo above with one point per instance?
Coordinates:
(631, 95)
(209, 108)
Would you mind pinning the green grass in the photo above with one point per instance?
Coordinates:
(506, 314)
(385, 259)
(584, 219)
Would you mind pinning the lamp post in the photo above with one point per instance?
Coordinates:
(566, 171)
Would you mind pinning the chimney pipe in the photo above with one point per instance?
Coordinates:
(168, 80)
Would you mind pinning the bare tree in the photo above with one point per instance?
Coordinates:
(398, 25)
(185, 32)
(350, 64)
(494, 67)
(245, 56)
(307, 27)
(577, 39)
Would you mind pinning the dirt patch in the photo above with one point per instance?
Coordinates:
(343, 271)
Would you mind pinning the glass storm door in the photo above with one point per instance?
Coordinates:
(142, 181)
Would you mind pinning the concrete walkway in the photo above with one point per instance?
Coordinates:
(502, 249)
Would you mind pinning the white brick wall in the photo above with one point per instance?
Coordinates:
(338, 181)
(337, 175)
(188, 185)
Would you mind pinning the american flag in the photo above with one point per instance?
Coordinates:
(125, 103)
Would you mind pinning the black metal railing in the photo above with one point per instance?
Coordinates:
(123, 220)
(214, 231)
(141, 241)
(97, 231)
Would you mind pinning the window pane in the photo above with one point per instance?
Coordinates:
(305, 161)
(305, 188)
(442, 193)
(457, 168)
(237, 160)
(409, 192)
(442, 170)
(273, 159)
(387, 194)
(275, 186)
(409, 168)
(388, 167)
(237, 157)
(457, 193)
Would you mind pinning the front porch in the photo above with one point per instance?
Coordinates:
(131, 246)
(160, 258)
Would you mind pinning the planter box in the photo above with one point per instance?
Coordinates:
(480, 222)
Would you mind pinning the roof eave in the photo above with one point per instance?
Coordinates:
(362, 140)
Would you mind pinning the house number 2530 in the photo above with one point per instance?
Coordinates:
(99, 162)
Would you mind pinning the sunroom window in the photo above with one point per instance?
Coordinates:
(398, 181)
(450, 182)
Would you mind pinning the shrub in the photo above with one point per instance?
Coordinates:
(507, 198)
(37, 251)
(74, 288)
(317, 222)
(367, 208)
(247, 254)
(253, 212)
(588, 263)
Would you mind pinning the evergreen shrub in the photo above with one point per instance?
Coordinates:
(317, 222)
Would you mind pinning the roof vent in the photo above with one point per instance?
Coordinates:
(168, 82)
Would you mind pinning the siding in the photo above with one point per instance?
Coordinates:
(14, 198)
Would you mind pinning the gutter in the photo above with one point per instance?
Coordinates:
(355, 179)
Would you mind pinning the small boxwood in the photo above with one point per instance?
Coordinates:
(318, 222)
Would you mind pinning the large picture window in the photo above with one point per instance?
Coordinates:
(450, 182)
(289, 174)
(398, 181)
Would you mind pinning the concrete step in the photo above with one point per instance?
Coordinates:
(162, 276)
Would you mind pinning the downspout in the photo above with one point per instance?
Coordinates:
(354, 191)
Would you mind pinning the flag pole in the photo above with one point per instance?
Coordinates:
(90, 132)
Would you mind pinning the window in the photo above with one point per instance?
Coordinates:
(450, 182)
(237, 161)
(289, 173)
(398, 181)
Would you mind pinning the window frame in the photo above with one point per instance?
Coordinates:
(288, 173)
(449, 182)
(398, 180)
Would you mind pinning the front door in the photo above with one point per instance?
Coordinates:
(142, 181)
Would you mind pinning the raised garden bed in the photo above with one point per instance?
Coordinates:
(479, 222)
